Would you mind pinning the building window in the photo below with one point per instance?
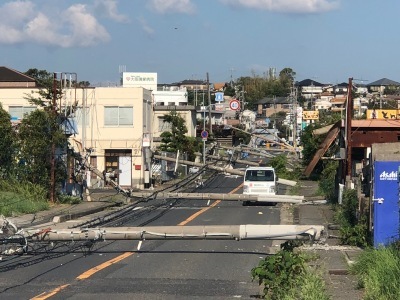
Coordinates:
(18, 112)
(163, 126)
(118, 115)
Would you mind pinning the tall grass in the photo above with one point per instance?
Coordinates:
(378, 271)
(21, 197)
(311, 287)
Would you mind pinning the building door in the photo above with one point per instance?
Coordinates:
(125, 170)
(118, 165)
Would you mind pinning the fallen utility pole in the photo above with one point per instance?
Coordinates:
(239, 161)
(222, 197)
(210, 166)
(226, 169)
(216, 232)
(281, 143)
(247, 149)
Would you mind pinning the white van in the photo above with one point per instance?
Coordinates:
(260, 181)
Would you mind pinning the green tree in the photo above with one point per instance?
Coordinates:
(43, 78)
(7, 144)
(45, 127)
(286, 76)
(258, 87)
(36, 135)
(176, 138)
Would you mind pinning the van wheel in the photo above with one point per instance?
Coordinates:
(245, 203)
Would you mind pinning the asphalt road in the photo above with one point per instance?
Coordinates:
(183, 269)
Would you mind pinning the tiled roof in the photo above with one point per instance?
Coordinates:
(190, 82)
(276, 100)
(383, 82)
(309, 82)
(219, 85)
(10, 75)
(376, 123)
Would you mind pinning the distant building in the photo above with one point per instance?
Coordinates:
(10, 78)
(272, 105)
(310, 89)
(380, 85)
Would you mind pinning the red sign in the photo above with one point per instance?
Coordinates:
(234, 105)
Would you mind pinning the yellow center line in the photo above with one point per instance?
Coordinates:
(47, 295)
(110, 262)
(194, 216)
(104, 265)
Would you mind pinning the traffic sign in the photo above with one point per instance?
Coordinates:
(234, 105)
(204, 134)
(219, 97)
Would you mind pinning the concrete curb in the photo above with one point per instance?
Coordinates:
(79, 214)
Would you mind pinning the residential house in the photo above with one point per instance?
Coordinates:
(338, 103)
(272, 105)
(192, 84)
(380, 86)
(310, 89)
(10, 78)
(187, 112)
(170, 96)
(322, 104)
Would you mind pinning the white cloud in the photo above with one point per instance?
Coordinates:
(109, 8)
(172, 6)
(23, 22)
(287, 6)
(84, 28)
(145, 26)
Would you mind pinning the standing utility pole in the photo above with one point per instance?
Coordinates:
(53, 146)
(349, 110)
(294, 106)
(209, 102)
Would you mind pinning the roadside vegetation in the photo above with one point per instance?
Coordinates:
(31, 173)
(378, 272)
(287, 275)
(353, 229)
(19, 198)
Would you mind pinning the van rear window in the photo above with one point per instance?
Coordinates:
(259, 175)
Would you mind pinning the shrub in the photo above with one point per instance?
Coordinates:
(327, 180)
(68, 199)
(353, 230)
(280, 163)
(285, 275)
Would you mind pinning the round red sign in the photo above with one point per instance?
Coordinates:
(234, 105)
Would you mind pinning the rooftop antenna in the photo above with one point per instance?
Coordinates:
(121, 70)
(231, 69)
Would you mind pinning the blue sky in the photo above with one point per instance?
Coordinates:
(324, 40)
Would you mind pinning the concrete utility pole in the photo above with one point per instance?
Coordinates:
(212, 232)
(283, 144)
(226, 170)
(239, 161)
(209, 103)
(349, 113)
(53, 145)
(222, 197)
(294, 97)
